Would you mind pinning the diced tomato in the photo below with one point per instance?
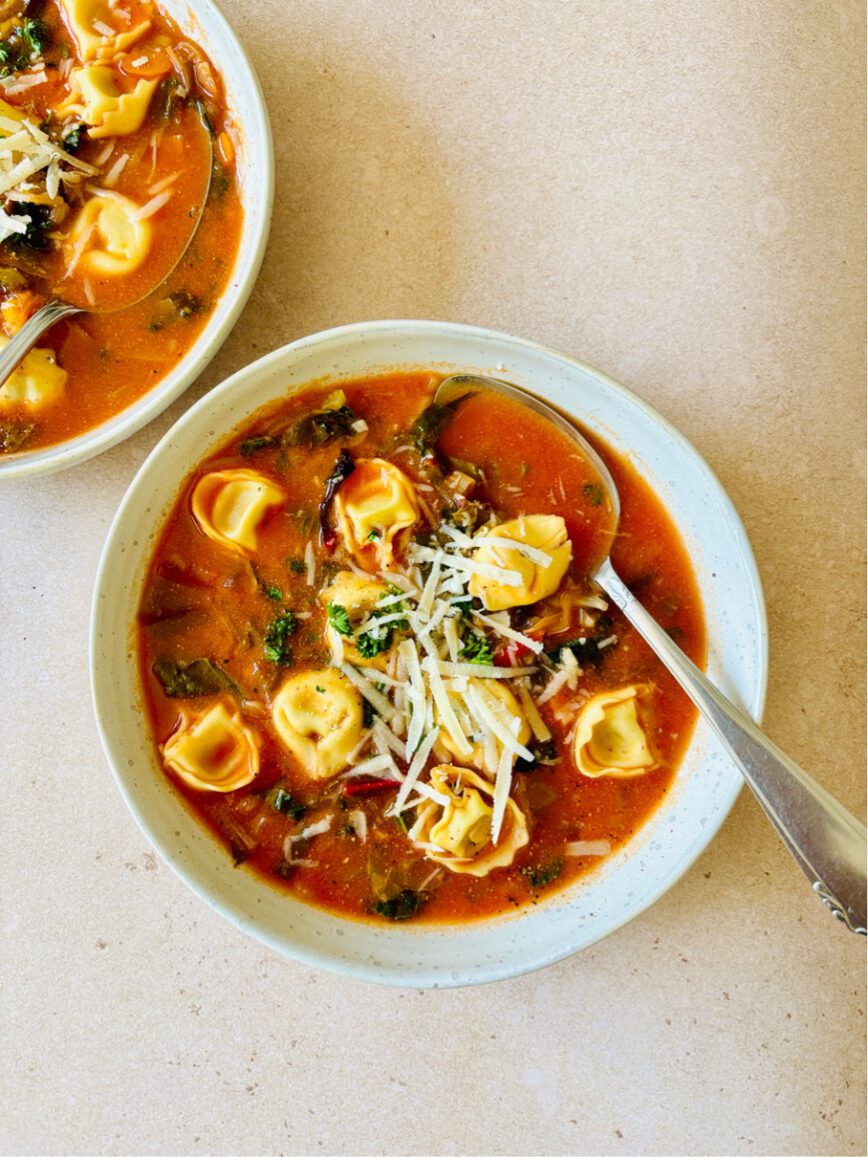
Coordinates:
(510, 653)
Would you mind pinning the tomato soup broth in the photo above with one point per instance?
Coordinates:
(114, 132)
(311, 626)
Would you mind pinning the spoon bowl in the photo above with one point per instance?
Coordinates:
(826, 841)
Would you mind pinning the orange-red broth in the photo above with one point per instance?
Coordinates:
(114, 358)
(201, 600)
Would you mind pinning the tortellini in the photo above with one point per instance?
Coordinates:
(376, 509)
(109, 236)
(358, 596)
(37, 382)
(213, 751)
(105, 109)
(230, 505)
(612, 734)
(503, 704)
(82, 15)
(461, 829)
(542, 532)
(318, 717)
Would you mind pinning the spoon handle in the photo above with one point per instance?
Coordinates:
(827, 842)
(20, 345)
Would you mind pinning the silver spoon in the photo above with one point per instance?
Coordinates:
(55, 310)
(826, 841)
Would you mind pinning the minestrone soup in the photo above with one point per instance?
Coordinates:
(114, 132)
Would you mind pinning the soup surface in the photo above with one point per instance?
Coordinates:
(114, 134)
(375, 665)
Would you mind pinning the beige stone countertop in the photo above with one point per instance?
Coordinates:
(673, 192)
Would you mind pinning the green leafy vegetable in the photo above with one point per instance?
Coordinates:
(260, 442)
(323, 426)
(186, 304)
(187, 680)
(38, 224)
(35, 37)
(541, 750)
(284, 802)
(540, 876)
(72, 139)
(369, 645)
(401, 907)
(296, 565)
(476, 649)
(26, 42)
(431, 423)
(277, 639)
(339, 619)
(13, 435)
(593, 493)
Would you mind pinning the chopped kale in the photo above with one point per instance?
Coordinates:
(220, 182)
(26, 42)
(13, 435)
(369, 645)
(476, 649)
(541, 750)
(72, 139)
(277, 639)
(541, 875)
(38, 224)
(261, 442)
(34, 37)
(186, 304)
(339, 619)
(187, 680)
(378, 639)
(593, 493)
(431, 423)
(401, 907)
(323, 426)
(268, 589)
(166, 99)
(284, 802)
(587, 647)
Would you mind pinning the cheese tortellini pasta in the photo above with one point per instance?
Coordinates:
(458, 834)
(612, 734)
(107, 237)
(318, 717)
(539, 576)
(358, 596)
(37, 382)
(503, 705)
(376, 509)
(230, 505)
(104, 108)
(214, 751)
(86, 17)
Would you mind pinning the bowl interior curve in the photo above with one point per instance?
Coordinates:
(705, 787)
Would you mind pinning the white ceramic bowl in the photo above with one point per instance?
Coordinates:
(205, 23)
(704, 789)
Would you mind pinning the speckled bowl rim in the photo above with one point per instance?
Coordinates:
(203, 20)
(628, 882)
